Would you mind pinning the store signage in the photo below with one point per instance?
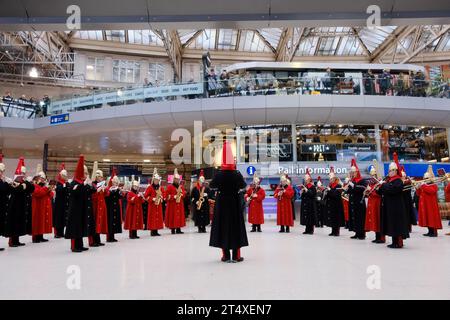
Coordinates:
(124, 95)
(59, 119)
(359, 147)
(318, 148)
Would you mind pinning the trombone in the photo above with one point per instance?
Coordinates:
(433, 180)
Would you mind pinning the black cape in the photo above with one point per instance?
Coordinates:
(61, 205)
(201, 217)
(334, 208)
(308, 210)
(394, 218)
(409, 207)
(228, 227)
(18, 217)
(114, 211)
(357, 207)
(80, 217)
(5, 191)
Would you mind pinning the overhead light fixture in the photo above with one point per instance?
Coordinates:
(34, 73)
(90, 67)
(106, 160)
(146, 160)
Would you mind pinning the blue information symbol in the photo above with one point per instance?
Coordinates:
(251, 170)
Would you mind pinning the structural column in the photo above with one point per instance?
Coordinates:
(294, 142)
(45, 158)
(378, 143)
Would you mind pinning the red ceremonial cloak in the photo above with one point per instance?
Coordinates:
(284, 207)
(255, 208)
(428, 207)
(134, 217)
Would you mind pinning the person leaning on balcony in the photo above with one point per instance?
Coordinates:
(369, 83)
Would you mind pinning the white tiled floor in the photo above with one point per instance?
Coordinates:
(276, 266)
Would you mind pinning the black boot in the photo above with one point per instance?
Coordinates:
(354, 237)
(361, 236)
(237, 255)
(42, 239)
(287, 229)
(253, 228)
(258, 227)
(172, 231)
(200, 230)
(428, 233)
(433, 233)
(179, 231)
(226, 255)
(281, 229)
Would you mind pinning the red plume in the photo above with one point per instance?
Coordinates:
(79, 171)
(227, 157)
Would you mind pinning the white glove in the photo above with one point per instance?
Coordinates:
(29, 179)
(24, 186)
(154, 199)
(255, 196)
(368, 188)
(351, 184)
(75, 188)
(328, 189)
(205, 195)
(99, 190)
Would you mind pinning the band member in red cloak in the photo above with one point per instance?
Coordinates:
(175, 193)
(374, 207)
(134, 217)
(254, 197)
(429, 216)
(41, 221)
(284, 193)
(99, 208)
(154, 195)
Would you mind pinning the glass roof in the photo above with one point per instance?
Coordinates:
(318, 41)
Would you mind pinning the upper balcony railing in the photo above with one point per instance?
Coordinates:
(236, 86)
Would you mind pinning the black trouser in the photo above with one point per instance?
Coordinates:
(234, 255)
(14, 240)
(59, 232)
(133, 234)
(335, 230)
(309, 228)
(94, 239)
(77, 243)
(110, 237)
